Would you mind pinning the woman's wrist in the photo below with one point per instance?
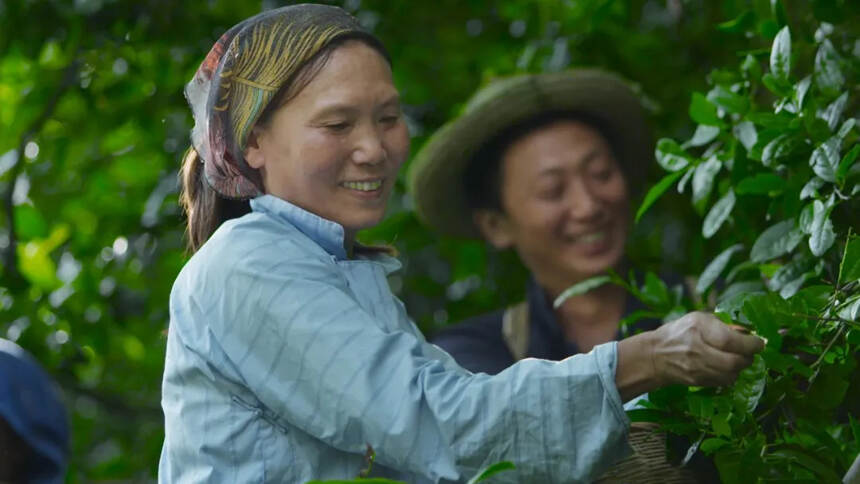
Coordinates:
(635, 372)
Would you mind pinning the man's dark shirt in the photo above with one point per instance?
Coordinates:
(478, 345)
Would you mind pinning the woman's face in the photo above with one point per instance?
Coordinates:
(565, 204)
(335, 148)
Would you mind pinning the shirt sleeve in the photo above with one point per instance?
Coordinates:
(312, 355)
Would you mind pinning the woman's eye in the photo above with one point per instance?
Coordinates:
(337, 127)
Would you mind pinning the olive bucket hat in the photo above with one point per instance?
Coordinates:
(435, 177)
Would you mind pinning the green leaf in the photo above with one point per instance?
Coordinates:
(777, 148)
(846, 127)
(671, 156)
(800, 91)
(811, 188)
(715, 268)
(833, 112)
(850, 310)
(849, 268)
(776, 85)
(703, 112)
(749, 386)
(745, 133)
(720, 424)
(718, 214)
(655, 292)
(704, 134)
(792, 273)
(822, 235)
(580, 288)
(761, 184)
(780, 54)
(767, 313)
(703, 178)
(708, 446)
(51, 56)
(777, 240)
(656, 191)
(807, 215)
(741, 23)
(846, 163)
(825, 159)
(35, 260)
(492, 470)
(750, 66)
(828, 75)
(732, 299)
(728, 100)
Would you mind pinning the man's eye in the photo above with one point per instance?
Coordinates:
(603, 175)
(390, 119)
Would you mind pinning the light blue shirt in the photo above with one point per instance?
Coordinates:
(286, 359)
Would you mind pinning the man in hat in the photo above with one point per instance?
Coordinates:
(545, 165)
(34, 433)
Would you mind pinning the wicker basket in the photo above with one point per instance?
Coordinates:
(648, 464)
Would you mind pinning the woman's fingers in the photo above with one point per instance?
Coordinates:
(725, 338)
(699, 349)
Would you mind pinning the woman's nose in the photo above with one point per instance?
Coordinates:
(369, 148)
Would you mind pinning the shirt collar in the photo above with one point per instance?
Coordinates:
(329, 235)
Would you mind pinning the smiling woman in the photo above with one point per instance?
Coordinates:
(287, 354)
(335, 148)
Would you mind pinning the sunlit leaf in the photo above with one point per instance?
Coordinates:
(715, 268)
(780, 54)
(828, 75)
(777, 240)
(745, 132)
(670, 155)
(728, 100)
(580, 288)
(749, 386)
(821, 235)
(703, 178)
(718, 214)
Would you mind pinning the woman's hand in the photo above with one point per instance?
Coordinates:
(697, 349)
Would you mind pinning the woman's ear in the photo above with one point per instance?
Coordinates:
(254, 153)
(495, 228)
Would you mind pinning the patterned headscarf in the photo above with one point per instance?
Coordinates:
(242, 73)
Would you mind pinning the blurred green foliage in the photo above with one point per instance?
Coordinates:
(93, 123)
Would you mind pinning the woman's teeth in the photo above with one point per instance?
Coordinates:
(364, 186)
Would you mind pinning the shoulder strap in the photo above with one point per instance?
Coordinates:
(515, 329)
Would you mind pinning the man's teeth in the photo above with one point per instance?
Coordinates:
(364, 186)
(590, 238)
